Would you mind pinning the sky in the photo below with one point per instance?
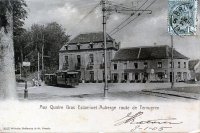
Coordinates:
(145, 30)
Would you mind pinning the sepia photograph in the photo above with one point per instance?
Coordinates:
(69, 65)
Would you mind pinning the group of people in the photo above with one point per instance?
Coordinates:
(36, 82)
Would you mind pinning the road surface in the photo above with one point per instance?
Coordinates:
(94, 91)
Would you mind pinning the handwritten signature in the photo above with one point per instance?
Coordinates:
(132, 118)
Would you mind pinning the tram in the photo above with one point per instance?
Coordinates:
(63, 78)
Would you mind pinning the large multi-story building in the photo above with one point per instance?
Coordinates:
(152, 63)
(85, 53)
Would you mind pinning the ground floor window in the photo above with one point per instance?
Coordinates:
(115, 77)
(125, 76)
(91, 76)
(136, 76)
(178, 76)
(160, 75)
(185, 76)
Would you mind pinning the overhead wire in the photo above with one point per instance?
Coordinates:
(128, 17)
(84, 17)
(133, 18)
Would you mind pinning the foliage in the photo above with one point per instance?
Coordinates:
(4, 7)
(19, 15)
(51, 38)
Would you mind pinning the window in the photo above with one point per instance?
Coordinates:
(170, 65)
(179, 64)
(185, 65)
(66, 47)
(160, 75)
(125, 76)
(125, 65)
(66, 60)
(136, 65)
(178, 76)
(159, 65)
(78, 46)
(145, 65)
(79, 59)
(91, 45)
(115, 66)
(136, 76)
(91, 76)
(91, 59)
(115, 77)
(103, 57)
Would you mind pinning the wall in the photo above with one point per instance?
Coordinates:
(151, 70)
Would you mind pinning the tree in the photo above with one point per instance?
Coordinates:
(10, 11)
(55, 38)
(19, 15)
(7, 75)
(47, 40)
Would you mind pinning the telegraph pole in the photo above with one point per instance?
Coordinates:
(38, 76)
(43, 57)
(119, 9)
(105, 48)
(172, 61)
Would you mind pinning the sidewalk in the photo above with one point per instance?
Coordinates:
(185, 92)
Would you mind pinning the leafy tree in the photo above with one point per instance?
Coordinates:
(49, 39)
(19, 15)
(55, 38)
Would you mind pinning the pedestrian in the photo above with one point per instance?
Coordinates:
(33, 81)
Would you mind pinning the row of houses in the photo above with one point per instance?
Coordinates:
(85, 53)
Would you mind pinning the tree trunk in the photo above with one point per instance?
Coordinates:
(7, 69)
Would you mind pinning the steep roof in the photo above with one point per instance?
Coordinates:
(193, 63)
(147, 53)
(90, 37)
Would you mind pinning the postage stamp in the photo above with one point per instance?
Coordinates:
(182, 17)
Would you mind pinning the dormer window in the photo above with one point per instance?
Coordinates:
(91, 45)
(102, 45)
(66, 47)
(78, 46)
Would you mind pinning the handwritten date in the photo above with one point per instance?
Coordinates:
(148, 128)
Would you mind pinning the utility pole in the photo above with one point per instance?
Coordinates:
(21, 54)
(42, 57)
(172, 61)
(105, 48)
(38, 76)
(118, 9)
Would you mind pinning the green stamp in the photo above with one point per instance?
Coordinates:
(182, 17)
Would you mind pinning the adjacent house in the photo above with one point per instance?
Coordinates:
(85, 53)
(148, 63)
(194, 67)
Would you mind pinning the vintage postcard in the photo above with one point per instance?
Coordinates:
(99, 66)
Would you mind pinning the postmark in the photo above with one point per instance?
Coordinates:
(182, 17)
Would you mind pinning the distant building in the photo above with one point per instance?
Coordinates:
(151, 64)
(194, 67)
(85, 53)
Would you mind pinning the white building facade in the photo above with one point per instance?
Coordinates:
(85, 54)
(149, 64)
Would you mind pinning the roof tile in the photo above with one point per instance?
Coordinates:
(89, 37)
(147, 53)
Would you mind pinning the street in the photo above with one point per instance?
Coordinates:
(118, 91)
